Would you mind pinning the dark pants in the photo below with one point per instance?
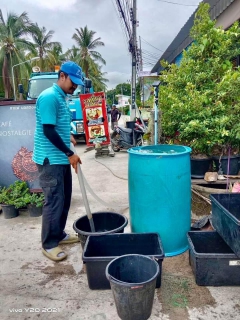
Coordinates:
(56, 182)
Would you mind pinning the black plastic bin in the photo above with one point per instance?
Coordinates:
(133, 282)
(212, 260)
(99, 251)
(226, 218)
(104, 222)
(130, 124)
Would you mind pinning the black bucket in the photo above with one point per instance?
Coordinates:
(233, 164)
(104, 223)
(9, 211)
(133, 280)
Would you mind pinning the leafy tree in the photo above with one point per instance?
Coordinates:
(123, 88)
(111, 97)
(13, 44)
(98, 80)
(45, 48)
(72, 54)
(87, 55)
(54, 57)
(200, 99)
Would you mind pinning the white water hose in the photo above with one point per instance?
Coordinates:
(107, 205)
(84, 194)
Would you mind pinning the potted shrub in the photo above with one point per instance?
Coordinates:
(12, 198)
(200, 98)
(34, 203)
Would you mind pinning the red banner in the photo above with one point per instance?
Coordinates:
(95, 118)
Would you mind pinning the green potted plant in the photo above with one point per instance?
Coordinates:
(200, 98)
(12, 198)
(34, 203)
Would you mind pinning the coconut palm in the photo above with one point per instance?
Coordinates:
(13, 44)
(44, 45)
(72, 54)
(88, 56)
(54, 57)
(97, 77)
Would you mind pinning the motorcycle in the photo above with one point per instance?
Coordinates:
(125, 138)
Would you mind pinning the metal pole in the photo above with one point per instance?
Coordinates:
(30, 60)
(156, 115)
(141, 65)
(14, 91)
(134, 59)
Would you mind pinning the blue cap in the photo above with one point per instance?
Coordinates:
(74, 72)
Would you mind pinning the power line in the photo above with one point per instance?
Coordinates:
(151, 45)
(123, 14)
(180, 4)
(121, 23)
(151, 55)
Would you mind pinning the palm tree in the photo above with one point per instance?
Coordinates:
(54, 57)
(72, 54)
(87, 57)
(43, 44)
(13, 45)
(98, 80)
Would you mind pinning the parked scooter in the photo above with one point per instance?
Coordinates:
(125, 138)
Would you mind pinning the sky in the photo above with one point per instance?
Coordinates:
(159, 23)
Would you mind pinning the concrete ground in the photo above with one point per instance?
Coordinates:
(33, 287)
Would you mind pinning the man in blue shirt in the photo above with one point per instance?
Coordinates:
(54, 158)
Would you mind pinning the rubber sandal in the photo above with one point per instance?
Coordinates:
(71, 239)
(53, 254)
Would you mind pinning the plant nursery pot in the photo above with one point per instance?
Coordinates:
(34, 211)
(9, 211)
(233, 164)
(199, 167)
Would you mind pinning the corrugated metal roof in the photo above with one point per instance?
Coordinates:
(182, 40)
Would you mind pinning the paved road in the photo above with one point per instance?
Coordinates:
(30, 284)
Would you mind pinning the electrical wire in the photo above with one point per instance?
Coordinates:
(121, 24)
(151, 45)
(180, 4)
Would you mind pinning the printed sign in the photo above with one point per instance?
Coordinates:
(95, 118)
(17, 126)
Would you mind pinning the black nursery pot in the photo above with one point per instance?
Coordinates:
(34, 211)
(199, 167)
(233, 164)
(9, 211)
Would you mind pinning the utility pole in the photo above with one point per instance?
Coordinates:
(133, 49)
(141, 66)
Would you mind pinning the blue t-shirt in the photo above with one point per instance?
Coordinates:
(51, 108)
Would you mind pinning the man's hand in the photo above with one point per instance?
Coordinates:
(74, 160)
(73, 140)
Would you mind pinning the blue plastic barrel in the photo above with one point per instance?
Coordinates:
(159, 184)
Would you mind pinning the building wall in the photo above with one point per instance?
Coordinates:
(226, 12)
(230, 15)
(225, 20)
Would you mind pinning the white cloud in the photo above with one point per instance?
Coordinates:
(159, 23)
(115, 78)
(54, 4)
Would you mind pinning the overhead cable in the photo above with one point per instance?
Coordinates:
(180, 4)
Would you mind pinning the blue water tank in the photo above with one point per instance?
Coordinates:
(159, 184)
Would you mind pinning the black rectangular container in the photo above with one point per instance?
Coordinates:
(226, 218)
(99, 251)
(212, 260)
